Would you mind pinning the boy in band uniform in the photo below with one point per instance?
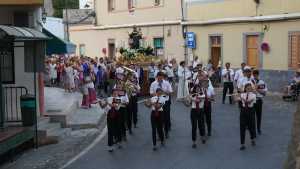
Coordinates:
(157, 117)
(261, 91)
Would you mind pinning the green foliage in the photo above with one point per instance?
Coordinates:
(59, 5)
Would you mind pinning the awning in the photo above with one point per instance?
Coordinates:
(20, 33)
(57, 45)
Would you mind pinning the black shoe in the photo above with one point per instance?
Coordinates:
(203, 141)
(194, 145)
(253, 143)
(130, 132)
(167, 136)
(154, 148)
(242, 148)
(209, 134)
(259, 132)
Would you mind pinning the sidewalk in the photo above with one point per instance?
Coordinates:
(81, 128)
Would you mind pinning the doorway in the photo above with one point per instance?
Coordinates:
(215, 51)
(111, 48)
(252, 51)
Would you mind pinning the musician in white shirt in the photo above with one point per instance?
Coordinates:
(183, 85)
(165, 85)
(197, 98)
(261, 91)
(209, 94)
(247, 115)
(157, 102)
(239, 73)
(227, 74)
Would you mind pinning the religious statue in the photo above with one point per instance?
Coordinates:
(134, 38)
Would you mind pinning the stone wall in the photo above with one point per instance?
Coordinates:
(293, 160)
(276, 79)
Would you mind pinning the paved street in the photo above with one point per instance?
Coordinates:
(220, 152)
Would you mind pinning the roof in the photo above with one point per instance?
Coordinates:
(21, 33)
(57, 45)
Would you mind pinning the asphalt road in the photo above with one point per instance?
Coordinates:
(220, 152)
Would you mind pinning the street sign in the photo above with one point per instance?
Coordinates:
(191, 40)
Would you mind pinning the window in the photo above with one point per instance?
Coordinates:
(7, 63)
(111, 5)
(215, 41)
(157, 2)
(294, 58)
(158, 44)
(82, 49)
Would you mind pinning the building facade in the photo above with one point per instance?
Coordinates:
(264, 34)
(158, 20)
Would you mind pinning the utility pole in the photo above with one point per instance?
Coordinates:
(67, 20)
(184, 30)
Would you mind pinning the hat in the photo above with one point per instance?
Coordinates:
(247, 69)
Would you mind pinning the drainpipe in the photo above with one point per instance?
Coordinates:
(1, 101)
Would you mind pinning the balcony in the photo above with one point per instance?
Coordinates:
(21, 2)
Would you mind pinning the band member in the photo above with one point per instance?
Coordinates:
(239, 73)
(167, 91)
(209, 97)
(152, 69)
(247, 115)
(157, 119)
(261, 90)
(227, 75)
(197, 114)
(133, 88)
(124, 115)
(113, 121)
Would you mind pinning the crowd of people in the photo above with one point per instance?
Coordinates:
(116, 88)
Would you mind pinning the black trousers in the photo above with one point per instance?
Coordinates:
(133, 109)
(123, 121)
(207, 116)
(247, 121)
(197, 120)
(113, 128)
(228, 86)
(258, 113)
(157, 126)
(167, 117)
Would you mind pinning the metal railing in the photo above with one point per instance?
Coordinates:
(12, 106)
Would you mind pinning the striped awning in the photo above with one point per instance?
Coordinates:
(21, 33)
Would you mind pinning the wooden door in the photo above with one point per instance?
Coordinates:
(215, 56)
(252, 51)
(111, 50)
(295, 51)
(215, 50)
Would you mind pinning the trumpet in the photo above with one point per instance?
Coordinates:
(128, 69)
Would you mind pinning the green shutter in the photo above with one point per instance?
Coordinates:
(158, 43)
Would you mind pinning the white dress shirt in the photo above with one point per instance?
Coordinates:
(162, 100)
(164, 85)
(238, 75)
(261, 88)
(243, 81)
(110, 101)
(249, 98)
(228, 75)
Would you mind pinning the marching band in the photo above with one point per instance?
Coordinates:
(198, 93)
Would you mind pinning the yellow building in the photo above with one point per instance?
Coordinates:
(265, 34)
(159, 21)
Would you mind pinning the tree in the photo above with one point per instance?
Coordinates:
(59, 5)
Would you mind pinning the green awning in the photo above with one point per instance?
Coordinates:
(20, 33)
(58, 46)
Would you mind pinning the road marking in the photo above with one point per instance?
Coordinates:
(95, 142)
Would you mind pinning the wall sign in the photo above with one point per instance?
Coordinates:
(191, 40)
